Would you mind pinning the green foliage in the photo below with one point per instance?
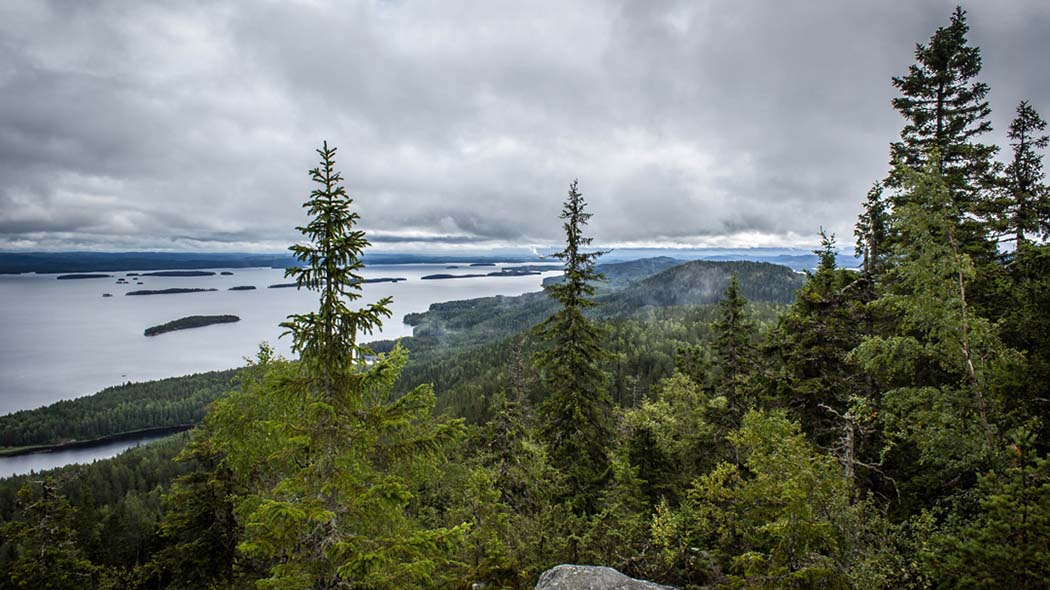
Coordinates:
(784, 518)
(199, 529)
(1007, 545)
(133, 406)
(327, 338)
(946, 111)
(872, 232)
(674, 437)
(330, 482)
(324, 461)
(577, 413)
(735, 353)
(45, 544)
(1023, 207)
(942, 361)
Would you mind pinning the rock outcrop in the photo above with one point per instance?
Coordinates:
(591, 577)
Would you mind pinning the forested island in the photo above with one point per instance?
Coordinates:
(171, 291)
(517, 271)
(179, 273)
(242, 288)
(361, 281)
(716, 426)
(72, 277)
(193, 321)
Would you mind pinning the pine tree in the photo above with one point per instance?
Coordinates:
(1024, 208)
(577, 413)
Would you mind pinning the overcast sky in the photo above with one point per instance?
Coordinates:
(191, 125)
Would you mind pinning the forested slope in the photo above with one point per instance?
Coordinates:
(123, 408)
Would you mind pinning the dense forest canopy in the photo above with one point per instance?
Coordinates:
(885, 427)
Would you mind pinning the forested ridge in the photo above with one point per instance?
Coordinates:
(887, 429)
(123, 408)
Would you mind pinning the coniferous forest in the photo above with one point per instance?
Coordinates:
(888, 426)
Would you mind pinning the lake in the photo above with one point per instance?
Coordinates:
(23, 464)
(63, 339)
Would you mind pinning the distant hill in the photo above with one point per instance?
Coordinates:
(632, 286)
(703, 281)
(619, 275)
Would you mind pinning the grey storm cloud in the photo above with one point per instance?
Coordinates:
(190, 125)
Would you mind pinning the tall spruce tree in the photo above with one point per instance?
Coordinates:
(946, 111)
(327, 338)
(941, 364)
(871, 231)
(735, 351)
(577, 413)
(329, 455)
(1024, 207)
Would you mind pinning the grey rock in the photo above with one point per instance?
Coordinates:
(591, 577)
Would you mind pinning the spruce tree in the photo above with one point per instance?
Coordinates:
(577, 413)
(871, 231)
(327, 338)
(45, 544)
(735, 351)
(329, 456)
(946, 111)
(1024, 208)
(942, 364)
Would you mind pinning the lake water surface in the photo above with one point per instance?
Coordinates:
(63, 339)
(36, 462)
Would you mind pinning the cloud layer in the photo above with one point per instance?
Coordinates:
(189, 125)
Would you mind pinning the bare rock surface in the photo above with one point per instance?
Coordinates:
(591, 577)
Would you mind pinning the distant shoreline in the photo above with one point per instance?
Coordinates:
(93, 442)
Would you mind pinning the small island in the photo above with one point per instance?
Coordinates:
(74, 277)
(483, 264)
(377, 280)
(193, 321)
(179, 273)
(523, 271)
(448, 276)
(167, 291)
(226, 273)
(242, 288)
